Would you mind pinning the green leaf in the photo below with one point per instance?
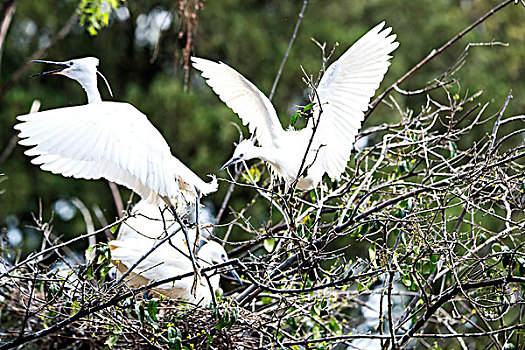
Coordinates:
(141, 313)
(101, 258)
(95, 14)
(269, 243)
(104, 272)
(372, 252)
(89, 253)
(175, 343)
(452, 148)
(314, 310)
(114, 228)
(111, 341)
(255, 173)
(308, 107)
(153, 309)
(233, 319)
(294, 118)
(266, 300)
(227, 320)
(334, 325)
(89, 273)
(407, 281)
(172, 333)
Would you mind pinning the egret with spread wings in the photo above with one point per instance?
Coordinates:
(106, 139)
(344, 93)
(111, 140)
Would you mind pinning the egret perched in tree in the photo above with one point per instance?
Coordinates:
(106, 139)
(152, 221)
(140, 233)
(344, 93)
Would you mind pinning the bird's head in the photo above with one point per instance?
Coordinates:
(245, 150)
(77, 69)
(213, 253)
(84, 70)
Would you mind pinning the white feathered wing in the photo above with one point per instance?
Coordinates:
(244, 98)
(111, 140)
(345, 91)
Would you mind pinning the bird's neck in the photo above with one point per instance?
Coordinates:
(90, 87)
(268, 154)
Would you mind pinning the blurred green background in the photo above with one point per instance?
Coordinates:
(249, 35)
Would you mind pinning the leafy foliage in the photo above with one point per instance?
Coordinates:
(95, 14)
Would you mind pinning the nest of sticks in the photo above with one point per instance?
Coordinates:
(33, 302)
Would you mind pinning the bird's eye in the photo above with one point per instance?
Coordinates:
(241, 155)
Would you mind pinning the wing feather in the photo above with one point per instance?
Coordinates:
(345, 92)
(110, 140)
(243, 97)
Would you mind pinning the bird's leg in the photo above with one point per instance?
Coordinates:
(212, 292)
(197, 226)
(164, 226)
(196, 268)
(319, 202)
(197, 238)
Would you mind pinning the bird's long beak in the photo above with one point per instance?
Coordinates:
(61, 64)
(232, 161)
(234, 274)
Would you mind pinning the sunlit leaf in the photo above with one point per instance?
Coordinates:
(111, 341)
(153, 309)
(372, 252)
(269, 243)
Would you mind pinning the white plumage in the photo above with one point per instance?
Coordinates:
(344, 93)
(111, 140)
(140, 233)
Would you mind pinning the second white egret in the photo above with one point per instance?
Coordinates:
(141, 233)
(344, 93)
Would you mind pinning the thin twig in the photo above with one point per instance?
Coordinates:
(288, 49)
(433, 54)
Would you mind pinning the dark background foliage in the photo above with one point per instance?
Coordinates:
(250, 36)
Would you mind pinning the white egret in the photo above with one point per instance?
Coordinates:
(141, 233)
(344, 93)
(111, 140)
(151, 221)
(106, 139)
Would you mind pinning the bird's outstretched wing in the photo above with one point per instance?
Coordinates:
(345, 92)
(110, 140)
(238, 93)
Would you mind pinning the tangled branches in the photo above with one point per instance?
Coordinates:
(442, 226)
(419, 244)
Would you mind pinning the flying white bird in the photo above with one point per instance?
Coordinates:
(141, 232)
(105, 139)
(344, 93)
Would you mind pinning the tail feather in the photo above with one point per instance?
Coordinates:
(209, 187)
